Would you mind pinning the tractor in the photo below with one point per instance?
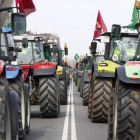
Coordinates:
(123, 108)
(86, 77)
(53, 53)
(40, 74)
(103, 73)
(14, 94)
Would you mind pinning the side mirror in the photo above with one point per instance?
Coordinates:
(93, 47)
(116, 31)
(66, 51)
(25, 43)
(18, 23)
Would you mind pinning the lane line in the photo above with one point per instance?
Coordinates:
(73, 126)
(66, 123)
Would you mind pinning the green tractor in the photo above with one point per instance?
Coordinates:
(123, 107)
(103, 74)
(86, 77)
(80, 70)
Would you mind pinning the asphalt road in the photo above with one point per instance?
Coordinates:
(72, 123)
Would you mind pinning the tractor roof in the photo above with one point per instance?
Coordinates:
(123, 34)
(20, 37)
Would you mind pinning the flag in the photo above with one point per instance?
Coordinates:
(66, 60)
(26, 6)
(76, 57)
(134, 18)
(65, 46)
(99, 21)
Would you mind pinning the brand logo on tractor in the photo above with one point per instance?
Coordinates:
(135, 73)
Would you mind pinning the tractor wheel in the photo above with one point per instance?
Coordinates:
(85, 93)
(63, 92)
(81, 88)
(17, 86)
(101, 90)
(79, 83)
(110, 116)
(48, 97)
(5, 119)
(125, 110)
(89, 102)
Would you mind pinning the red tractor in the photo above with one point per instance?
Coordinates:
(39, 74)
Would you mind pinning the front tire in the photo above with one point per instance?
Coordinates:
(5, 119)
(126, 105)
(48, 97)
(101, 90)
(17, 86)
(85, 93)
(89, 102)
(63, 92)
(79, 83)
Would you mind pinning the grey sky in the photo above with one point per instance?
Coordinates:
(74, 20)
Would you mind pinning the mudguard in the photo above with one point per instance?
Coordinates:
(11, 74)
(14, 112)
(41, 72)
(63, 75)
(26, 93)
(121, 74)
(85, 76)
(1, 66)
(101, 74)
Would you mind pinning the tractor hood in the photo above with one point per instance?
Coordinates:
(40, 65)
(107, 66)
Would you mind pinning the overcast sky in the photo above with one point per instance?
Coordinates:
(74, 20)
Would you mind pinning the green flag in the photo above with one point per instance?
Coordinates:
(134, 18)
(62, 53)
(76, 57)
(9, 21)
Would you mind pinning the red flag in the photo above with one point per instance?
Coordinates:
(26, 6)
(103, 26)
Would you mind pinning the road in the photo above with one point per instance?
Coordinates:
(72, 123)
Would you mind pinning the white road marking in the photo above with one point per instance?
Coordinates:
(66, 123)
(69, 112)
(73, 126)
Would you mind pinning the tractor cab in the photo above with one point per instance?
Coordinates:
(121, 49)
(32, 55)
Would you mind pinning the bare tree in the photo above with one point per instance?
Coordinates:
(4, 15)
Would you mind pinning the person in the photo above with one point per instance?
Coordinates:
(70, 77)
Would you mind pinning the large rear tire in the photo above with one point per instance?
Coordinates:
(85, 93)
(49, 102)
(63, 92)
(16, 85)
(125, 109)
(101, 90)
(5, 112)
(79, 83)
(89, 102)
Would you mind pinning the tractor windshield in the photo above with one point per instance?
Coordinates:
(38, 52)
(54, 53)
(123, 50)
(26, 56)
(3, 46)
(99, 58)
